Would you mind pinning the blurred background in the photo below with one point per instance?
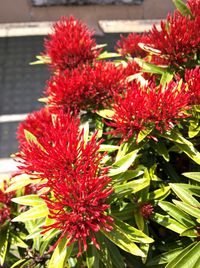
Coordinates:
(23, 27)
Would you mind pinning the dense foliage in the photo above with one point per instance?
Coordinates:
(108, 170)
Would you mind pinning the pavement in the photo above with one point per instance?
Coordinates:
(21, 84)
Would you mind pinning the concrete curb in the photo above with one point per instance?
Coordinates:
(43, 28)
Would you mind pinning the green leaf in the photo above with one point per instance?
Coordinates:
(116, 257)
(20, 262)
(18, 241)
(86, 129)
(192, 175)
(166, 78)
(61, 253)
(31, 138)
(167, 222)
(130, 187)
(161, 149)
(190, 232)
(183, 144)
(144, 133)
(41, 60)
(92, 258)
(176, 213)
(29, 200)
(32, 214)
(108, 148)
(127, 175)
(4, 237)
(123, 164)
(125, 236)
(165, 257)
(184, 194)
(108, 55)
(184, 10)
(149, 67)
(106, 113)
(191, 210)
(193, 128)
(187, 258)
(19, 182)
(125, 213)
(139, 220)
(159, 193)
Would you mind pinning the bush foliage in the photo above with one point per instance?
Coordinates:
(108, 170)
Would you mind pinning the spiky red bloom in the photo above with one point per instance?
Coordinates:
(129, 45)
(194, 6)
(146, 210)
(70, 44)
(192, 78)
(85, 88)
(79, 209)
(78, 185)
(178, 40)
(143, 107)
(36, 123)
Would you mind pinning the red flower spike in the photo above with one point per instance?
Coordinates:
(178, 40)
(194, 6)
(70, 44)
(78, 185)
(149, 106)
(129, 45)
(192, 78)
(36, 123)
(85, 88)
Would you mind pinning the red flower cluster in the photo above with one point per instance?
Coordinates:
(5, 199)
(143, 107)
(70, 44)
(146, 210)
(192, 78)
(178, 40)
(129, 45)
(85, 88)
(78, 184)
(36, 123)
(194, 6)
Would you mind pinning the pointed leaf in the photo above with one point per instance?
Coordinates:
(159, 193)
(144, 133)
(123, 164)
(60, 254)
(167, 222)
(28, 200)
(187, 258)
(184, 10)
(191, 210)
(32, 214)
(192, 175)
(184, 194)
(176, 213)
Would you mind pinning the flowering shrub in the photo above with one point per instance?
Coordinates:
(108, 170)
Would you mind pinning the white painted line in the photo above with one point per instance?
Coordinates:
(6, 118)
(127, 26)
